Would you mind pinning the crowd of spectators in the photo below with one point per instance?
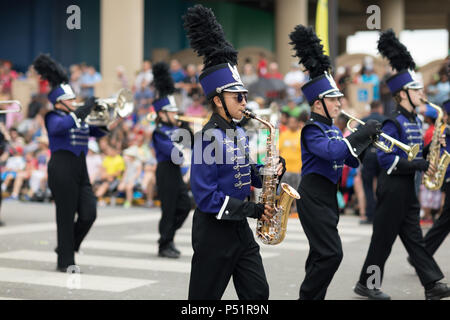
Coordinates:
(122, 165)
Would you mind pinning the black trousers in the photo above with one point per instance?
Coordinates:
(441, 227)
(69, 183)
(398, 213)
(370, 169)
(318, 213)
(225, 249)
(175, 202)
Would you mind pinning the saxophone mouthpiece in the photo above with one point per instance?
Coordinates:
(248, 113)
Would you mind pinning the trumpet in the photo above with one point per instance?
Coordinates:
(17, 102)
(411, 151)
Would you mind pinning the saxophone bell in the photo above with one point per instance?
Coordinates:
(273, 231)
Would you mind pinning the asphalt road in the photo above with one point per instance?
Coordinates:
(119, 259)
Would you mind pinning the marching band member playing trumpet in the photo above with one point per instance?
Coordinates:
(67, 172)
(324, 153)
(172, 191)
(397, 211)
(222, 175)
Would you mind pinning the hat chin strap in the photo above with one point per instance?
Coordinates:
(409, 99)
(325, 108)
(225, 108)
(65, 105)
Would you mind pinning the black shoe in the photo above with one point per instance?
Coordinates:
(439, 291)
(172, 246)
(372, 294)
(168, 253)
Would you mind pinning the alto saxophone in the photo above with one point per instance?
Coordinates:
(434, 157)
(273, 231)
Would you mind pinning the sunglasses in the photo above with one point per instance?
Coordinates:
(241, 96)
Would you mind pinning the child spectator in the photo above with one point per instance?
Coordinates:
(14, 164)
(132, 173)
(38, 179)
(24, 175)
(94, 162)
(112, 168)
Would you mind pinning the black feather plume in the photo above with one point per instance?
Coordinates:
(392, 49)
(308, 48)
(163, 80)
(207, 37)
(50, 70)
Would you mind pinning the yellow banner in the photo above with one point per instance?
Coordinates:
(322, 24)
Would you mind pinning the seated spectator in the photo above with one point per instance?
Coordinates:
(262, 65)
(24, 175)
(7, 76)
(122, 78)
(143, 98)
(284, 117)
(368, 75)
(14, 164)
(94, 162)
(249, 75)
(147, 157)
(11, 118)
(176, 71)
(145, 75)
(88, 80)
(130, 178)
(273, 72)
(39, 190)
(112, 168)
(190, 83)
(196, 109)
(294, 79)
(289, 143)
(291, 108)
(75, 78)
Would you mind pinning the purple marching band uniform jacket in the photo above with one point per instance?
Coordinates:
(405, 127)
(163, 142)
(221, 171)
(324, 149)
(64, 134)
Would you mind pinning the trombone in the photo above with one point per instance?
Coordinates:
(411, 151)
(17, 102)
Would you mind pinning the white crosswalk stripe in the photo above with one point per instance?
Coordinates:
(115, 254)
(75, 281)
(103, 261)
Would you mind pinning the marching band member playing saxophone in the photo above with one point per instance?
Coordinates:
(221, 177)
(441, 227)
(68, 178)
(172, 191)
(324, 153)
(398, 209)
